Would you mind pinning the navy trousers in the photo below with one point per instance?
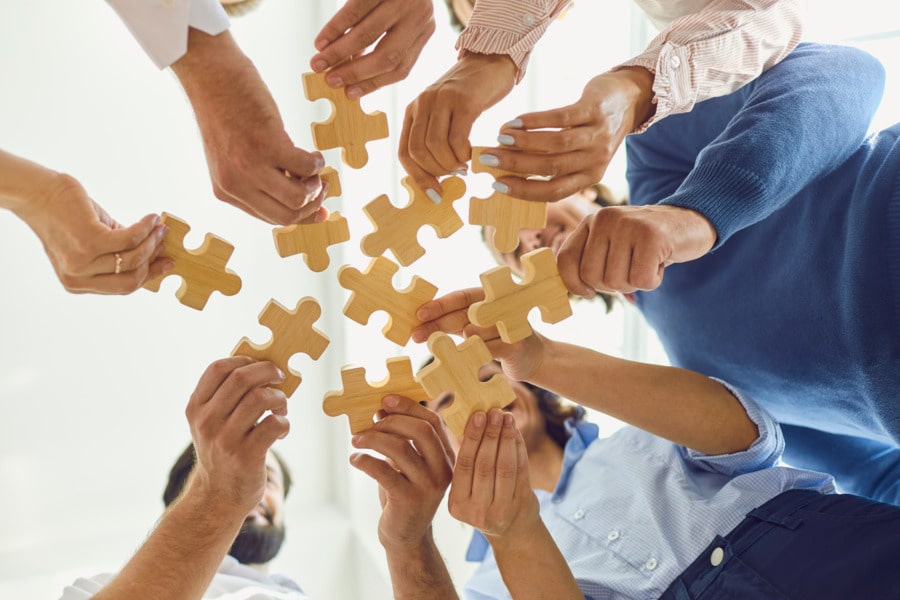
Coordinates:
(801, 545)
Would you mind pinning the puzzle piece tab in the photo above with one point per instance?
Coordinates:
(312, 240)
(455, 369)
(348, 126)
(330, 176)
(504, 214)
(374, 290)
(360, 401)
(508, 303)
(202, 271)
(396, 228)
(292, 332)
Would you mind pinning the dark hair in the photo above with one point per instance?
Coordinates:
(185, 464)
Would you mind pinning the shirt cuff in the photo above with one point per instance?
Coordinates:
(161, 26)
(671, 68)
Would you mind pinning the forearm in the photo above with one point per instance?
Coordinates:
(205, 72)
(181, 555)
(419, 571)
(533, 567)
(685, 407)
(23, 183)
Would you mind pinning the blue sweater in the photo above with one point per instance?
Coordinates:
(798, 304)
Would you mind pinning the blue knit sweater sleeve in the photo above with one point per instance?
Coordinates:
(758, 147)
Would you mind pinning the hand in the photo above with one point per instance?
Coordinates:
(413, 477)
(436, 128)
(253, 164)
(574, 144)
(491, 490)
(450, 314)
(231, 441)
(400, 27)
(627, 248)
(84, 244)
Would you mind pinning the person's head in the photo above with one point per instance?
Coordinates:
(562, 219)
(540, 414)
(460, 13)
(262, 534)
(236, 8)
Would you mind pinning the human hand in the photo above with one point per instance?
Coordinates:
(627, 248)
(491, 489)
(253, 164)
(414, 474)
(89, 250)
(230, 435)
(400, 27)
(435, 136)
(574, 144)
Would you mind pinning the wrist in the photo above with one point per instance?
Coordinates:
(27, 187)
(637, 85)
(407, 547)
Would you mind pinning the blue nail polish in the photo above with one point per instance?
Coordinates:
(435, 197)
(500, 187)
(489, 160)
(514, 124)
(506, 140)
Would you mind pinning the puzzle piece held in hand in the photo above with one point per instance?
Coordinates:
(455, 369)
(374, 290)
(292, 332)
(396, 228)
(202, 271)
(312, 240)
(360, 401)
(348, 126)
(504, 214)
(506, 303)
(330, 176)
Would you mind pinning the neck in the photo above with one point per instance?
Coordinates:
(545, 464)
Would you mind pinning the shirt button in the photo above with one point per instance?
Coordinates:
(612, 535)
(579, 514)
(715, 558)
(675, 62)
(528, 19)
(650, 564)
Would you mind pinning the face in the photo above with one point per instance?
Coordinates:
(262, 533)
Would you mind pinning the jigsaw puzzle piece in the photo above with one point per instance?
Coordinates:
(373, 290)
(202, 271)
(396, 228)
(360, 401)
(312, 240)
(330, 176)
(292, 332)
(455, 369)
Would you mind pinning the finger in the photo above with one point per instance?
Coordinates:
(450, 303)
(617, 268)
(385, 475)
(250, 412)
(300, 163)
(437, 135)
(646, 267)
(548, 142)
(240, 382)
(569, 258)
(423, 427)
(395, 449)
(419, 149)
(126, 261)
(539, 163)
(595, 262)
(523, 481)
(351, 15)
(484, 479)
(464, 468)
(507, 462)
(260, 205)
(539, 190)
(289, 190)
(572, 115)
(358, 88)
(213, 378)
(267, 432)
(422, 178)
(122, 240)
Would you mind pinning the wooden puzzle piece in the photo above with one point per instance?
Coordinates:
(330, 176)
(455, 369)
(374, 290)
(507, 303)
(292, 332)
(504, 214)
(360, 401)
(396, 228)
(312, 240)
(348, 126)
(202, 271)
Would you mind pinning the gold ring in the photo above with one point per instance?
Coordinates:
(288, 174)
(118, 263)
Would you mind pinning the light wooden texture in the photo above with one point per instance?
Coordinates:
(202, 271)
(330, 175)
(504, 214)
(396, 228)
(507, 303)
(348, 127)
(374, 290)
(360, 401)
(292, 332)
(312, 240)
(455, 369)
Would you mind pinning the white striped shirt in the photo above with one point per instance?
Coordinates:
(705, 49)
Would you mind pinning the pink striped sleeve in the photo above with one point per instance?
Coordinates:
(716, 50)
(510, 27)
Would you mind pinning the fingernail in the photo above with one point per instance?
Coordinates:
(155, 220)
(514, 124)
(391, 401)
(423, 314)
(489, 160)
(320, 65)
(495, 417)
(354, 92)
(334, 81)
(168, 266)
(460, 172)
(589, 293)
(417, 333)
(500, 187)
(355, 457)
(509, 420)
(478, 419)
(435, 197)
(506, 139)
(280, 374)
(161, 232)
(354, 440)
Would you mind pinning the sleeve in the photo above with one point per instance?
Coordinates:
(161, 26)
(716, 50)
(510, 27)
(82, 589)
(763, 453)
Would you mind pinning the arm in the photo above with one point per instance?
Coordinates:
(89, 250)
(411, 484)
(491, 491)
(182, 554)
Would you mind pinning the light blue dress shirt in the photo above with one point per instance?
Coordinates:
(632, 511)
